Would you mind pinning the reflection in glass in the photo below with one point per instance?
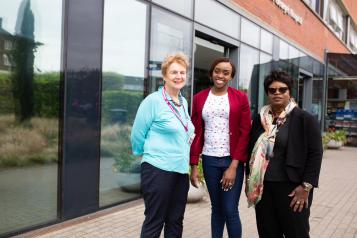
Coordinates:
(248, 68)
(122, 91)
(283, 50)
(30, 44)
(215, 15)
(184, 7)
(317, 95)
(265, 68)
(250, 33)
(266, 41)
(256, 89)
(169, 34)
(317, 89)
(305, 62)
(294, 55)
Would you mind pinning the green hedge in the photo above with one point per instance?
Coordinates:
(120, 99)
(46, 94)
(6, 102)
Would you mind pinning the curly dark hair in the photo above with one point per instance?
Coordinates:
(220, 60)
(280, 76)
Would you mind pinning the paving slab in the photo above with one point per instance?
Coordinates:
(333, 213)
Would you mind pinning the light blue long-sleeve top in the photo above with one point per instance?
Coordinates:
(159, 136)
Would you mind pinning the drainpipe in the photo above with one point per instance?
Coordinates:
(325, 88)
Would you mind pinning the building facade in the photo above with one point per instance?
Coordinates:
(76, 71)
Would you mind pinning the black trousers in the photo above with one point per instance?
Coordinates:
(165, 197)
(274, 216)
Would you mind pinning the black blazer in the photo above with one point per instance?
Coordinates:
(304, 147)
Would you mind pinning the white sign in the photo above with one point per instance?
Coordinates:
(288, 10)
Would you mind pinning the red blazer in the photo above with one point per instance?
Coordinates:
(239, 124)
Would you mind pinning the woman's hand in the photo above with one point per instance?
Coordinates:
(229, 176)
(300, 199)
(194, 176)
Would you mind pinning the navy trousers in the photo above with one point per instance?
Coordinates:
(165, 197)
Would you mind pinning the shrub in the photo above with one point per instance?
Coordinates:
(115, 142)
(46, 94)
(337, 136)
(6, 96)
(120, 99)
(35, 141)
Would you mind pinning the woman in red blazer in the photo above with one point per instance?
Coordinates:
(221, 117)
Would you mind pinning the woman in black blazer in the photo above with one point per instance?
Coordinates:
(285, 160)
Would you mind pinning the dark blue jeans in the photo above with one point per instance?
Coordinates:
(224, 204)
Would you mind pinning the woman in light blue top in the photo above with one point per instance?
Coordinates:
(162, 133)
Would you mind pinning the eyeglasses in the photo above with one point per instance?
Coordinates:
(281, 90)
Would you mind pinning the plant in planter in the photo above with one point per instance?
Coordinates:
(116, 145)
(325, 140)
(196, 194)
(336, 139)
(128, 168)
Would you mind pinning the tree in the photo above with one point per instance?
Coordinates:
(22, 56)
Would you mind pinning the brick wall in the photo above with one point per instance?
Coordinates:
(312, 34)
(351, 6)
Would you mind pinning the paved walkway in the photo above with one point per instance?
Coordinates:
(334, 210)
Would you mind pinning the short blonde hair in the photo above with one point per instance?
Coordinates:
(179, 58)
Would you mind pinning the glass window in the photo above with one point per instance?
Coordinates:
(215, 15)
(123, 78)
(265, 68)
(266, 41)
(336, 19)
(250, 33)
(169, 34)
(183, 7)
(293, 52)
(256, 90)
(353, 38)
(305, 61)
(29, 109)
(294, 55)
(283, 50)
(6, 60)
(317, 95)
(8, 44)
(314, 4)
(248, 68)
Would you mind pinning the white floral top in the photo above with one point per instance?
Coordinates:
(215, 114)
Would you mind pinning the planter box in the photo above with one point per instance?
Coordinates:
(332, 144)
(196, 194)
(129, 182)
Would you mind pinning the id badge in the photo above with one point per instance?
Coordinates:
(191, 138)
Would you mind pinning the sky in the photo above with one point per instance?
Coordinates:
(48, 23)
(123, 43)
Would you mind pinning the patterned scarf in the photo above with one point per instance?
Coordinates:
(263, 148)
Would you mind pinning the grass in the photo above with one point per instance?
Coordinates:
(32, 142)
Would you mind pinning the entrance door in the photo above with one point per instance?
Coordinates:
(205, 52)
(304, 90)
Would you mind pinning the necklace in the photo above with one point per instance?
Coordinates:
(177, 104)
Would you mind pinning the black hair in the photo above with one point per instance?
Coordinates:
(280, 76)
(220, 60)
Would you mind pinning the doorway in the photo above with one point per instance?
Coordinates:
(206, 50)
(304, 90)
